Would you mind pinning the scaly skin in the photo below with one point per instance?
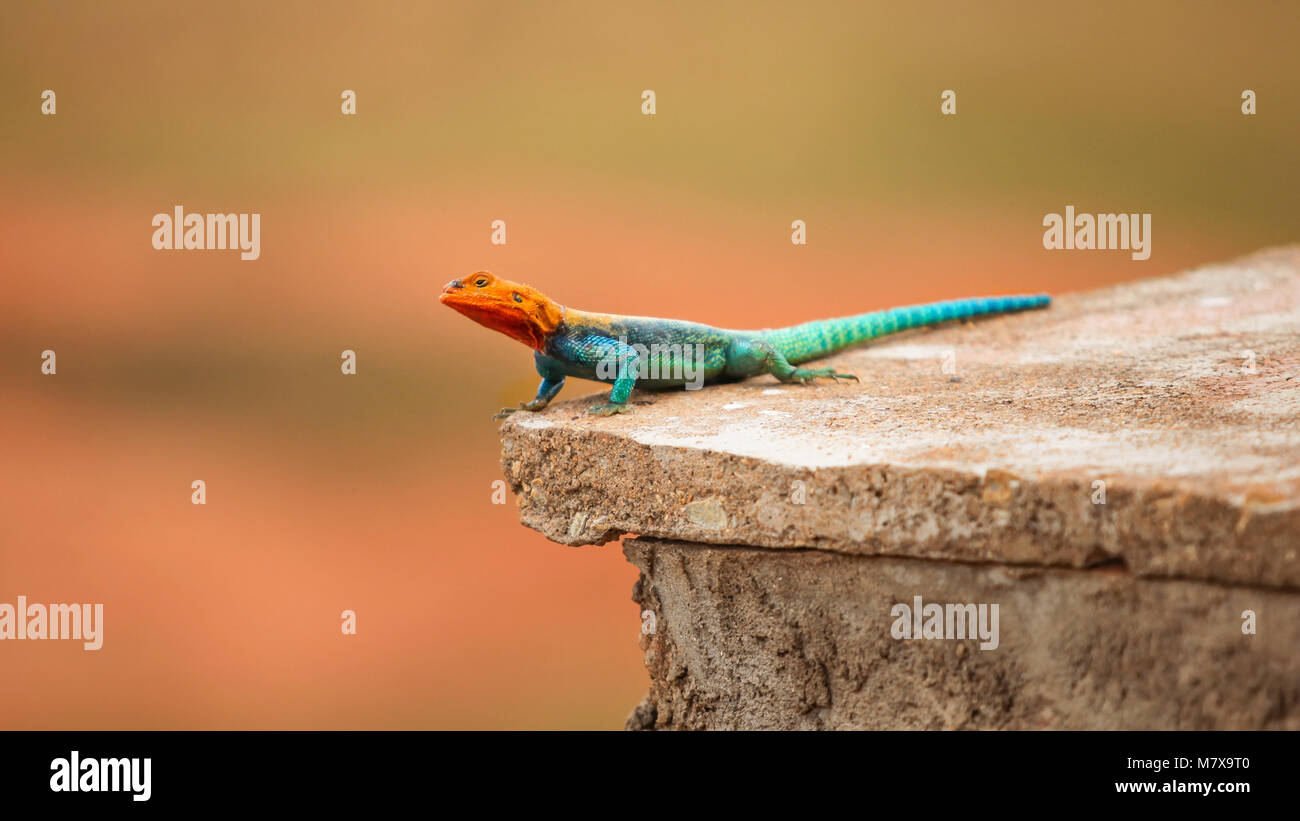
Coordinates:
(670, 353)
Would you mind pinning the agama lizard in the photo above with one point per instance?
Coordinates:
(671, 353)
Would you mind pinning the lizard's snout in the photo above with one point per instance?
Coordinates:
(451, 288)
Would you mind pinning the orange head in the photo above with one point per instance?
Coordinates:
(519, 311)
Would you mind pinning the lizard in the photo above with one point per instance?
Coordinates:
(653, 353)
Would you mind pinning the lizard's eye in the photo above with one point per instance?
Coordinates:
(480, 282)
(517, 297)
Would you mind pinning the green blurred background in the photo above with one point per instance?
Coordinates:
(374, 492)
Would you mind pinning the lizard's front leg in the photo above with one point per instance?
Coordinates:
(552, 380)
(545, 393)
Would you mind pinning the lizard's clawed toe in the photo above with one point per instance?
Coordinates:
(803, 376)
(504, 412)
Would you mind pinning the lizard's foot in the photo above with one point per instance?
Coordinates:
(528, 406)
(608, 410)
(805, 375)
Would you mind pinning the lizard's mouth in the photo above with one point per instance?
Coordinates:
(463, 302)
(513, 324)
(456, 295)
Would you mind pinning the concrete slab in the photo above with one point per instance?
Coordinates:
(1154, 425)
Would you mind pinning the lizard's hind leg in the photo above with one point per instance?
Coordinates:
(750, 357)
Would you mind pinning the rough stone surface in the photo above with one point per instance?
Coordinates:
(1177, 398)
(801, 639)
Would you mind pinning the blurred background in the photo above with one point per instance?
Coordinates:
(373, 492)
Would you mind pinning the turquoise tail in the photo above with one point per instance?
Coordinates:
(812, 340)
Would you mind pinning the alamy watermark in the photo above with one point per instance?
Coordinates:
(679, 362)
(82, 622)
(77, 774)
(946, 621)
(1102, 232)
(208, 232)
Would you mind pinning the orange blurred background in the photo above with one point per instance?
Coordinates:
(373, 492)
